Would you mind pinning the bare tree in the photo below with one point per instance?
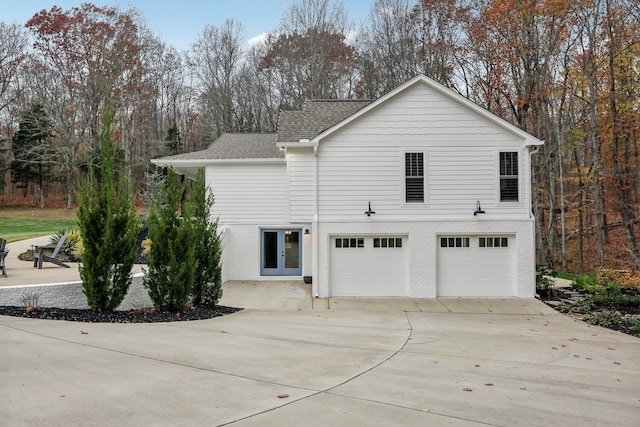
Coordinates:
(310, 56)
(216, 58)
(622, 94)
(387, 48)
(13, 44)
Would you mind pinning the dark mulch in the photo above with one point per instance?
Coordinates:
(132, 316)
(580, 311)
(621, 308)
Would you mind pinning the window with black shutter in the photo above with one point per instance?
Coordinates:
(509, 184)
(414, 177)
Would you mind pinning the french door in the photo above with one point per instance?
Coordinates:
(281, 252)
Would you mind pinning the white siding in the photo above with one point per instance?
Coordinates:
(364, 161)
(246, 193)
(301, 171)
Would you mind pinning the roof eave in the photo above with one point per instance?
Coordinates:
(299, 144)
(205, 162)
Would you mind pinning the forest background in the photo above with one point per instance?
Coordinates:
(566, 71)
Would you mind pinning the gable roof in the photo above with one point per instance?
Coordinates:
(316, 117)
(423, 79)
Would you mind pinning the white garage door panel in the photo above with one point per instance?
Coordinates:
(484, 268)
(389, 276)
(495, 275)
(368, 270)
(455, 270)
(351, 267)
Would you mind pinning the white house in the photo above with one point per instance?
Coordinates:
(420, 193)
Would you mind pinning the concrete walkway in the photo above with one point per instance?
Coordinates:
(359, 362)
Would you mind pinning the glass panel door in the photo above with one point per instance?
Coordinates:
(270, 249)
(291, 249)
(281, 253)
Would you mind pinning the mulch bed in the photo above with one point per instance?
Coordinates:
(132, 316)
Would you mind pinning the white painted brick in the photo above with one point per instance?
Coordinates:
(70, 295)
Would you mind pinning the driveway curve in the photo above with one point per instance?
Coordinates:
(358, 362)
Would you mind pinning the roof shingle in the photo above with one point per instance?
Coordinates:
(316, 117)
(237, 146)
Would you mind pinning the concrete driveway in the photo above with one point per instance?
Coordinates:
(358, 362)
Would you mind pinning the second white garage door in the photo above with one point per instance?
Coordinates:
(369, 266)
(480, 266)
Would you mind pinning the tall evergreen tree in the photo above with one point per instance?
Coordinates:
(109, 227)
(171, 261)
(4, 161)
(30, 161)
(174, 140)
(207, 286)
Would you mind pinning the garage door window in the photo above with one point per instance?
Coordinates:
(353, 242)
(387, 242)
(454, 242)
(493, 242)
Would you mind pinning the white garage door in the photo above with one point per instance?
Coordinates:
(476, 266)
(376, 266)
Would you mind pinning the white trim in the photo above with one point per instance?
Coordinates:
(207, 162)
(190, 167)
(297, 144)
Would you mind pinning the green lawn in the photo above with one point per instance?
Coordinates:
(32, 223)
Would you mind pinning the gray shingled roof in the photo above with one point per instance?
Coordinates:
(237, 146)
(317, 116)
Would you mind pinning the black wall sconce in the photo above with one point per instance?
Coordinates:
(306, 232)
(478, 209)
(369, 212)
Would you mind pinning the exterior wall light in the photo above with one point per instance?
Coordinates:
(478, 209)
(369, 212)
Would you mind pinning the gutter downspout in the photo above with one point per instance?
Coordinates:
(315, 270)
(533, 149)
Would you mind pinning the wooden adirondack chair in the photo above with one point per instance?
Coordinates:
(3, 254)
(39, 256)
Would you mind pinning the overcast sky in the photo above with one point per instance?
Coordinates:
(179, 22)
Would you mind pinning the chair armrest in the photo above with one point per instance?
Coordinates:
(37, 248)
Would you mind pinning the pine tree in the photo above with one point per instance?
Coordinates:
(174, 140)
(30, 162)
(109, 227)
(4, 161)
(207, 286)
(171, 261)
